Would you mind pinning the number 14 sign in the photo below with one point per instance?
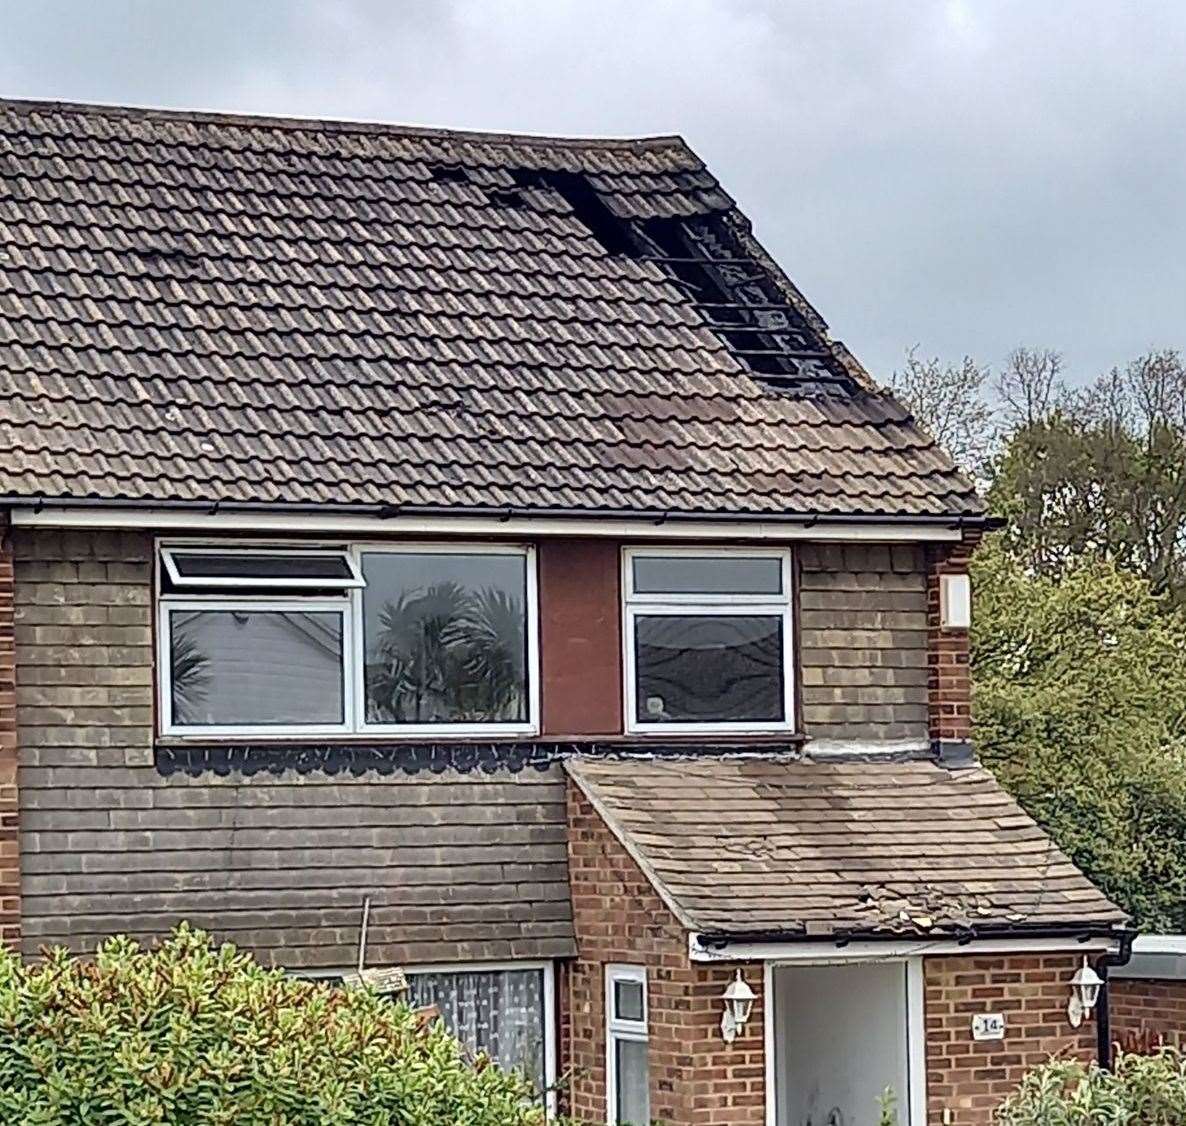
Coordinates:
(988, 1026)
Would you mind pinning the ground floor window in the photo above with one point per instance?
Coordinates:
(503, 1011)
(628, 1096)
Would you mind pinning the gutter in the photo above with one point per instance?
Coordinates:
(963, 936)
(506, 512)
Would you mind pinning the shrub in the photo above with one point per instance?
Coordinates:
(1080, 702)
(1140, 1091)
(201, 1035)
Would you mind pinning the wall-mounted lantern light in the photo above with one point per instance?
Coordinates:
(739, 1003)
(1085, 992)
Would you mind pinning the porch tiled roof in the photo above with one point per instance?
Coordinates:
(200, 308)
(766, 845)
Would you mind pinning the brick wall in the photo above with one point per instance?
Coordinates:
(695, 1077)
(1146, 1010)
(970, 1078)
(863, 641)
(948, 650)
(277, 863)
(10, 874)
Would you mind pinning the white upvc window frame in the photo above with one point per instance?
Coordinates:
(349, 603)
(635, 605)
(168, 561)
(616, 1029)
(532, 664)
(259, 605)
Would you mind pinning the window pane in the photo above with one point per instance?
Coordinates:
(445, 637)
(634, 1096)
(498, 1012)
(256, 667)
(696, 574)
(704, 668)
(211, 565)
(628, 1000)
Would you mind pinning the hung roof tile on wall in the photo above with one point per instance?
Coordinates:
(747, 846)
(202, 308)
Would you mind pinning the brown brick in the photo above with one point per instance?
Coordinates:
(972, 1079)
(948, 650)
(696, 1079)
(1147, 1012)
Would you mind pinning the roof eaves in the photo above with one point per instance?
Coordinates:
(1080, 931)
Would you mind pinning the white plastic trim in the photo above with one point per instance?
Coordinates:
(636, 528)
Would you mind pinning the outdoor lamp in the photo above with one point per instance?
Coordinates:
(739, 1003)
(1085, 992)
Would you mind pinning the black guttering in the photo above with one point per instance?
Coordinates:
(1079, 932)
(391, 511)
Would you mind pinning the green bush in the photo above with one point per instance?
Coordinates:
(201, 1035)
(1140, 1091)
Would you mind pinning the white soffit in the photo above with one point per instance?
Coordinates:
(174, 519)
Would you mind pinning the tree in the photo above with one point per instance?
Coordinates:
(950, 400)
(1100, 473)
(203, 1035)
(1138, 1091)
(1080, 696)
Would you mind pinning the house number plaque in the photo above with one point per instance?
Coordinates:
(988, 1026)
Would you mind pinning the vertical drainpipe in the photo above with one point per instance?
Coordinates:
(1103, 1014)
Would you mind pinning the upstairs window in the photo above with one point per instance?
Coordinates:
(708, 640)
(445, 635)
(305, 642)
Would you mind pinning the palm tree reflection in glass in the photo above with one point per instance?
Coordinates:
(445, 653)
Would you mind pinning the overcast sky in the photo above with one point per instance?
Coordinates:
(961, 174)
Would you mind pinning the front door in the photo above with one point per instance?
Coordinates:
(842, 1038)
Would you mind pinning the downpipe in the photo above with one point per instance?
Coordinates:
(1103, 1009)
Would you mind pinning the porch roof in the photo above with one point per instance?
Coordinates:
(783, 846)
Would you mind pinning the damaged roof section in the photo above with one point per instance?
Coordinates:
(203, 308)
(746, 846)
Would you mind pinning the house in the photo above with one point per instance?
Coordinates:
(473, 552)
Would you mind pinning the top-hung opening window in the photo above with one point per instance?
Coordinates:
(209, 569)
(708, 640)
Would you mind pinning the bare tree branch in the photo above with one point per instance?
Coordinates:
(950, 401)
(1030, 387)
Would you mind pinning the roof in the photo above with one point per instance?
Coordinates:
(200, 308)
(745, 846)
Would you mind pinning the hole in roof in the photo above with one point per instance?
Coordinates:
(506, 197)
(742, 303)
(613, 233)
(448, 174)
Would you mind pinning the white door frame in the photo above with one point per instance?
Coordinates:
(913, 1110)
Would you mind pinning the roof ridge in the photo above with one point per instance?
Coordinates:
(342, 125)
